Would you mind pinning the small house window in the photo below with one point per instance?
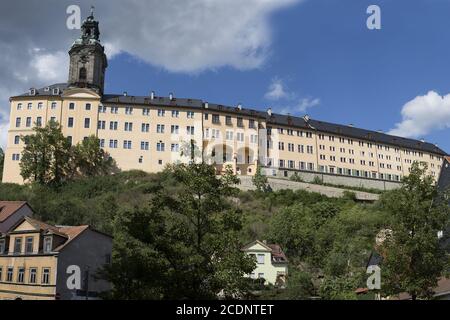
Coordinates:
(29, 245)
(47, 244)
(18, 245)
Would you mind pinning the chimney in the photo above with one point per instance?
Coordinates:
(152, 95)
(239, 106)
(206, 105)
(125, 94)
(351, 125)
(171, 96)
(422, 140)
(269, 112)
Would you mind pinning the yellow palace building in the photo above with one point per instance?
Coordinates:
(148, 132)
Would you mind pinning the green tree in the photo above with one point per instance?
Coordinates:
(47, 156)
(260, 181)
(91, 160)
(2, 161)
(414, 257)
(185, 243)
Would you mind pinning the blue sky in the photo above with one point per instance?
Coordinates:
(323, 49)
(318, 54)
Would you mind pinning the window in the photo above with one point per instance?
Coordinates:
(228, 121)
(18, 120)
(33, 273)
(16, 157)
(229, 135)
(30, 106)
(101, 109)
(174, 129)
(87, 123)
(175, 147)
(101, 125)
(215, 118)
(190, 130)
(113, 144)
(102, 143)
(161, 113)
(240, 122)
(20, 274)
(160, 128)
(113, 125)
(9, 275)
(16, 139)
(18, 245)
(28, 122)
(19, 106)
(251, 124)
(40, 105)
(144, 145)
(145, 127)
(88, 106)
(47, 244)
(53, 105)
(260, 258)
(70, 122)
(114, 110)
(129, 110)
(83, 74)
(1, 273)
(69, 140)
(146, 111)
(129, 126)
(46, 276)
(71, 106)
(127, 144)
(190, 114)
(2, 246)
(175, 113)
(160, 146)
(29, 245)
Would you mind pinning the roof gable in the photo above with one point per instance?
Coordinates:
(8, 208)
(257, 246)
(25, 226)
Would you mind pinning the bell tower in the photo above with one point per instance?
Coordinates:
(88, 61)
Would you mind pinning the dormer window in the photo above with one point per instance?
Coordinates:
(33, 92)
(29, 245)
(18, 245)
(2, 246)
(47, 89)
(56, 91)
(48, 244)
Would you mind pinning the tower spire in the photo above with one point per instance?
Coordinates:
(92, 11)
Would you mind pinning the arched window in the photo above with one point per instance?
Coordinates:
(83, 74)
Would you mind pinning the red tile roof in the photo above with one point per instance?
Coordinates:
(448, 159)
(8, 208)
(277, 254)
(71, 233)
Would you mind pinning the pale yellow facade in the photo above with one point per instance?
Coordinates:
(27, 275)
(272, 272)
(143, 133)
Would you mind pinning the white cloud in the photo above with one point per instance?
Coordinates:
(423, 115)
(301, 106)
(276, 90)
(176, 35)
(289, 102)
(50, 67)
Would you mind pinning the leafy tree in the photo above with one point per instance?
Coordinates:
(185, 243)
(2, 160)
(49, 159)
(91, 160)
(414, 257)
(46, 158)
(260, 181)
